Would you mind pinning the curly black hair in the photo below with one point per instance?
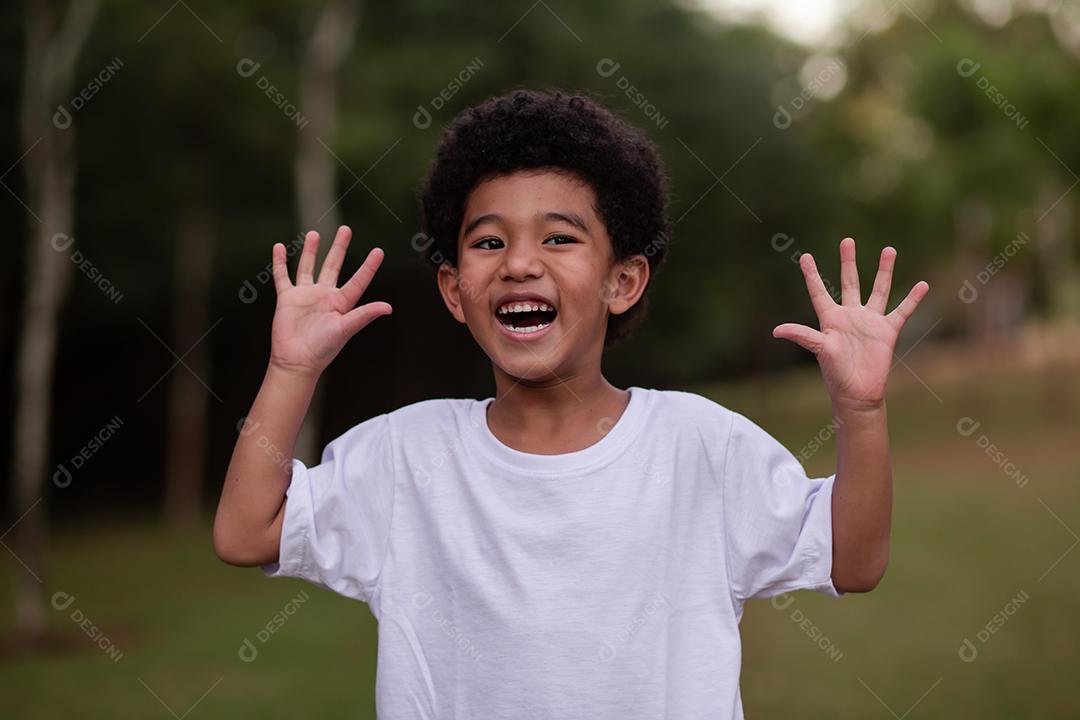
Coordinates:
(528, 129)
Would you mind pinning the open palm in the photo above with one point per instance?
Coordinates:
(854, 346)
(314, 319)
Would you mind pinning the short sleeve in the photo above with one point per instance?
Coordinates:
(338, 515)
(778, 521)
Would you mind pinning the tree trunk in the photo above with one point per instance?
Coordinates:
(972, 219)
(317, 195)
(1054, 247)
(49, 167)
(188, 397)
(1055, 253)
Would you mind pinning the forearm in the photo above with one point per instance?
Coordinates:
(260, 469)
(862, 499)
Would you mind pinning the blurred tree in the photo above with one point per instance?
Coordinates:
(909, 153)
(54, 39)
(957, 133)
(195, 243)
(326, 46)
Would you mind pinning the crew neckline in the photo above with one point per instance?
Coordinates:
(602, 451)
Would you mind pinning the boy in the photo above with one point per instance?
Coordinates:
(566, 549)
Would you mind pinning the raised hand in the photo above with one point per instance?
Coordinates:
(855, 344)
(314, 319)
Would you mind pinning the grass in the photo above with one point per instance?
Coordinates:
(180, 617)
(966, 540)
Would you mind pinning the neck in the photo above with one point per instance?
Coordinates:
(554, 415)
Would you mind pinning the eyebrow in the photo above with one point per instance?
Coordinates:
(567, 217)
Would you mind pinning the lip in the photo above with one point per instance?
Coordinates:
(525, 337)
(522, 296)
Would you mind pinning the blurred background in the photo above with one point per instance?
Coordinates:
(154, 152)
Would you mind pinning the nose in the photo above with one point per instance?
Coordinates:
(521, 260)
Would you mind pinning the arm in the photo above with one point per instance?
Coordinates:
(855, 351)
(862, 500)
(247, 528)
(312, 322)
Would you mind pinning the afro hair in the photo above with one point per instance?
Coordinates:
(528, 129)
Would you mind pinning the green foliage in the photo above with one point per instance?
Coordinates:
(906, 148)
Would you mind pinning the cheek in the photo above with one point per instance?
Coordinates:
(473, 296)
(587, 301)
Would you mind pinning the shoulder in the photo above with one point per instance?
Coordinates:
(682, 417)
(430, 414)
(422, 426)
(421, 421)
(682, 406)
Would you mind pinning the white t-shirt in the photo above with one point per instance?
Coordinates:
(603, 583)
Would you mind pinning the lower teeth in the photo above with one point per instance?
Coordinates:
(530, 329)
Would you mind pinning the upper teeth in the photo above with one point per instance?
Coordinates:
(524, 307)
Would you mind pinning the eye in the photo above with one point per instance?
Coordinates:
(486, 240)
(567, 238)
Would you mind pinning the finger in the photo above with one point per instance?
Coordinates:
(849, 274)
(879, 296)
(907, 306)
(331, 266)
(358, 318)
(358, 283)
(819, 296)
(281, 272)
(801, 335)
(307, 259)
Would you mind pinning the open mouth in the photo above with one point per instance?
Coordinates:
(526, 317)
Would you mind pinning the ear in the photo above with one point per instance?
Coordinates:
(625, 284)
(450, 287)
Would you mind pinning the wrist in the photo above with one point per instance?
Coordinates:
(292, 374)
(845, 409)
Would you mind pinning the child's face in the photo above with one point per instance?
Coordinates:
(520, 234)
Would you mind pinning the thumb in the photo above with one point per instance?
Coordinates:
(358, 318)
(801, 335)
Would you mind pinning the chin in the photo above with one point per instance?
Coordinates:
(534, 359)
(524, 364)
(529, 358)
(533, 369)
